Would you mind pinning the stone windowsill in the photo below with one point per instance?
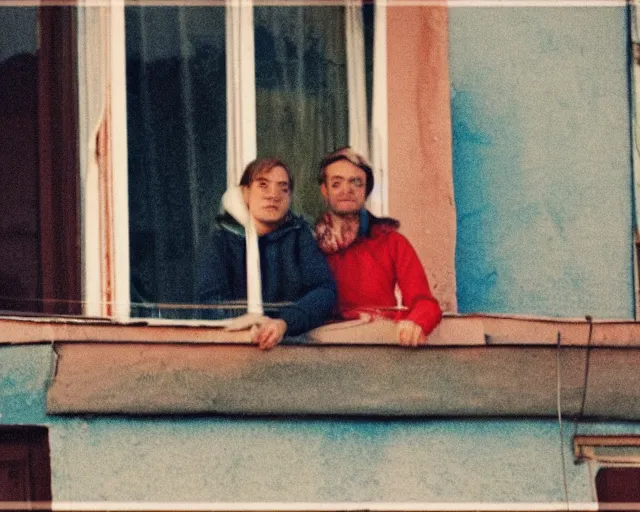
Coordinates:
(454, 330)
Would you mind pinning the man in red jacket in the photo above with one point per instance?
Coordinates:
(367, 255)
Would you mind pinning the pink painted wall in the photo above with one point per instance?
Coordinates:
(420, 147)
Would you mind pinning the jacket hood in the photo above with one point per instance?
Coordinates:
(368, 221)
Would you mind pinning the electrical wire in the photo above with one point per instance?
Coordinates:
(561, 430)
(586, 376)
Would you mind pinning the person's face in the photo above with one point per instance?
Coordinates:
(344, 187)
(268, 198)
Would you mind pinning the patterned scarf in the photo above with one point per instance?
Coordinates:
(333, 238)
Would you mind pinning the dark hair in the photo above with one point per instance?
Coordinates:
(350, 155)
(260, 165)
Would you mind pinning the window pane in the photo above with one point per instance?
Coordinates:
(368, 20)
(176, 121)
(301, 91)
(39, 223)
(19, 208)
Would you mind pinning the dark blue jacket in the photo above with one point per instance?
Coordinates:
(292, 267)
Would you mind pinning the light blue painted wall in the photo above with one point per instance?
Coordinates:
(286, 460)
(542, 172)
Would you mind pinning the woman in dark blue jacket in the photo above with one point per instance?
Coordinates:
(293, 270)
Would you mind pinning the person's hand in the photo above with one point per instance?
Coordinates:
(410, 334)
(269, 333)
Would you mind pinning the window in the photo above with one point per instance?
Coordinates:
(19, 128)
(91, 230)
(615, 463)
(193, 76)
(39, 221)
(177, 145)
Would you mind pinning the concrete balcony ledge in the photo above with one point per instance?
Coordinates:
(472, 366)
(437, 381)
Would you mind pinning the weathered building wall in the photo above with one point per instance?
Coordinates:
(420, 178)
(542, 175)
(177, 459)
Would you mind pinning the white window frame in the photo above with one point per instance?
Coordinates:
(241, 89)
(105, 226)
(103, 177)
(378, 201)
(621, 451)
(120, 183)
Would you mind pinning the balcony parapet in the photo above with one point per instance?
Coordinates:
(473, 366)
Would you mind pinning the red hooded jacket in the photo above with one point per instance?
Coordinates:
(366, 273)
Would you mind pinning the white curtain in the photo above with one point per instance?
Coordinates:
(176, 119)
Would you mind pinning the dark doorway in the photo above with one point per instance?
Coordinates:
(617, 486)
(25, 468)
